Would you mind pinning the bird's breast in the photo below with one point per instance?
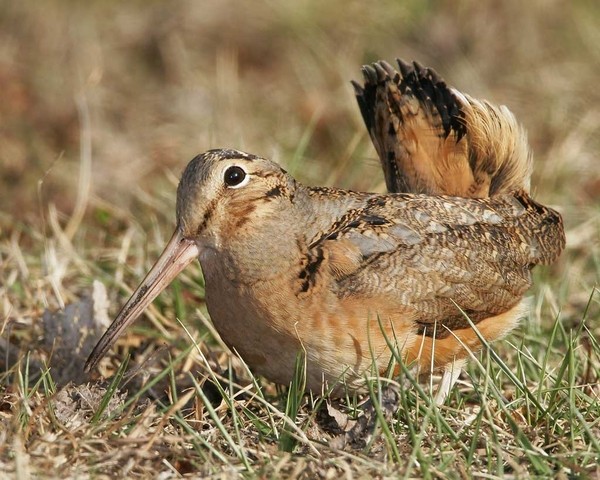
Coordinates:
(268, 323)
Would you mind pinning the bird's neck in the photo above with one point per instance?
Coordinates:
(272, 241)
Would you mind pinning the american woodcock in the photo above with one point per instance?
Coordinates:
(342, 275)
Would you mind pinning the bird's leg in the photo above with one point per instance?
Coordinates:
(449, 377)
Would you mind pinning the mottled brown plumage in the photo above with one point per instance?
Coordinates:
(340, 274)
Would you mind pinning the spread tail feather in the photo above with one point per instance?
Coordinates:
(433, 139)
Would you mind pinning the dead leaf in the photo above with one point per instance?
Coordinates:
(70, 335)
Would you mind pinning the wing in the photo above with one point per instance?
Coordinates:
(432, 139)
(428, 254)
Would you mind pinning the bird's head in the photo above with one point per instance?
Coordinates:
(221, 195)
(224, 191)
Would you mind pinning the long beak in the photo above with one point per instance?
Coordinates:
(178, 254)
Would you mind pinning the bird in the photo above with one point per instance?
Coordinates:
(355, 279)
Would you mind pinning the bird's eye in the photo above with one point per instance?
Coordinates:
(235, 177)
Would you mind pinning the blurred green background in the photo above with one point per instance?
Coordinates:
(162, 81)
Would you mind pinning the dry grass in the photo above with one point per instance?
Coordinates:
(103, 104)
